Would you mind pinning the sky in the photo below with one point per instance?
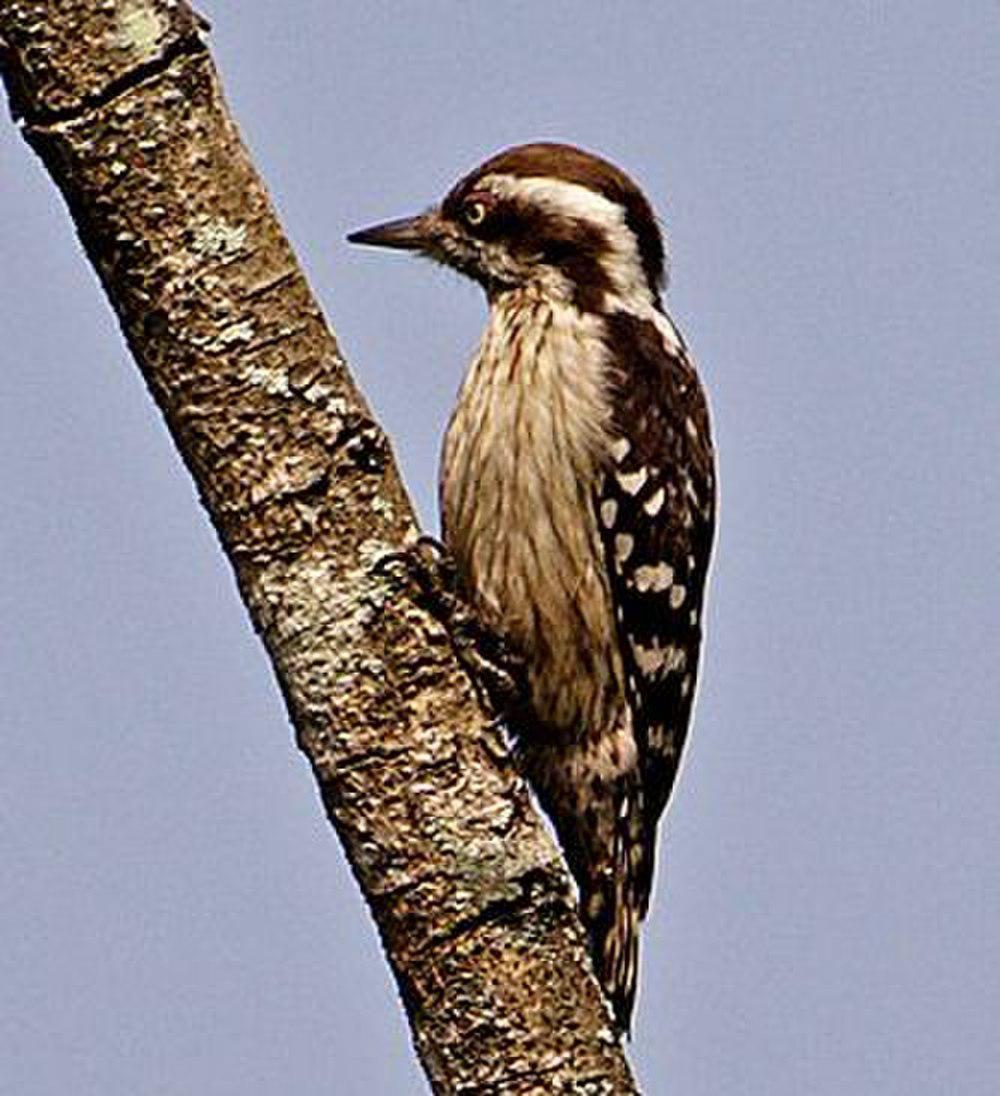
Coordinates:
(176, 915)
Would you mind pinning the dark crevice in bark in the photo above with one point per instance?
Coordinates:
(505, 909)
(41, 117)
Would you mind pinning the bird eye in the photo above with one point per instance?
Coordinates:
(474, 213)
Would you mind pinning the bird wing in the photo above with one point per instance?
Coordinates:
(656, 512)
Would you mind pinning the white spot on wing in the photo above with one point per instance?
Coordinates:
(650, 577)
(620, 449)
(677, 595)
(609, 512)
(624, 543)
(654, 503)
(656, 660)
(631, 482)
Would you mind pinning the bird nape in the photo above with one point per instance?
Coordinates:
(577, 494)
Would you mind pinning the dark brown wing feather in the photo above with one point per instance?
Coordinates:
(658, 576)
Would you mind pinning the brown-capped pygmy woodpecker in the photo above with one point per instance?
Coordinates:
(577, 494)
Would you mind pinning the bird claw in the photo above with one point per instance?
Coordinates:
(436, 564)
(430, 568)
(494, 668)
(496, 671)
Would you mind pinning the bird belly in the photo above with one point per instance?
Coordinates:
(519, 462)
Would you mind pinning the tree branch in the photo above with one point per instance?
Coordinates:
(122, 103)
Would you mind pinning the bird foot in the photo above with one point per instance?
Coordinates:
(496, 671)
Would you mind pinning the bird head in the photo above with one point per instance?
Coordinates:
(547, 217)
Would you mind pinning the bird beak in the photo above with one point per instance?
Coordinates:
(405, 234)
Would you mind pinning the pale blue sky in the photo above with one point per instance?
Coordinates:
(176, 917)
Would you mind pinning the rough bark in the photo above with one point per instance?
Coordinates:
(122, 103)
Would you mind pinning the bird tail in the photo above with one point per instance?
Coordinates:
(614, 895)
(601, 825)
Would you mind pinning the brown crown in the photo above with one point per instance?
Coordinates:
(572, 165)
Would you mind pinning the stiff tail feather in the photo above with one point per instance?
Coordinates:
(613, 901)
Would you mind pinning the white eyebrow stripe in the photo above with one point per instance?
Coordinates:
(623, 264)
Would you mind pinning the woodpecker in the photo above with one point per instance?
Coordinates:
(577, 495)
